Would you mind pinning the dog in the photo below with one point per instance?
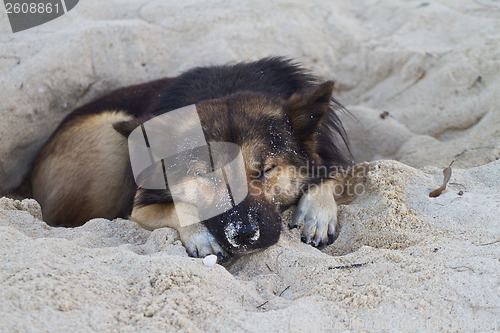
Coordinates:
(280, 117)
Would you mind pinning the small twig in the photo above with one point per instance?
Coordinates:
(456, 199)
(281, 293)
(461, 268)
(269, 268)
(458, 184)
(262, 304)
(421, 76)
(350, 266)
(494, 242)
(277, 265)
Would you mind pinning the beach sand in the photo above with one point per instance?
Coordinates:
(421, 80)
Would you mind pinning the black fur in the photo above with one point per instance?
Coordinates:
(270, 76)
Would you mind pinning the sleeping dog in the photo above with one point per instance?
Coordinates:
(281, 121)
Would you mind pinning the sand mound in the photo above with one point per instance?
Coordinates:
(421, 79)
(419, 263)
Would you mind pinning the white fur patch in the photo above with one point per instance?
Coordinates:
(317, 211)
(198, 241)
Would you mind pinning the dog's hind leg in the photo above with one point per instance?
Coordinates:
(81, 173)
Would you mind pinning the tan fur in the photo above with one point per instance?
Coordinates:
(283, 183)
(199, 190)
(155, 216)
(280, 185)
(346, 182)
(80, 173)
(195, 236)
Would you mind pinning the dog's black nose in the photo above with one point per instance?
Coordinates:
(245, 234)
(241, 234)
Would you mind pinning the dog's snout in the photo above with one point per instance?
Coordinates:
(248, 227)
(242, 234)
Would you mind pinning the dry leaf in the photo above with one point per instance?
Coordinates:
(446, 176)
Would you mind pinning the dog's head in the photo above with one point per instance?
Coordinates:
(279, 139)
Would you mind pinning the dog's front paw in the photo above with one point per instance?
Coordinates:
(199, 242)
(317, 211)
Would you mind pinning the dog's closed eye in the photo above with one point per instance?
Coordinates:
(269, 168)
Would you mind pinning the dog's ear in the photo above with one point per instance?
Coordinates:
(306, 109)
(126, 127)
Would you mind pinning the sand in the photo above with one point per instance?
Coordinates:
(403, 261)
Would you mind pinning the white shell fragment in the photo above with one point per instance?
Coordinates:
(210, 260)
